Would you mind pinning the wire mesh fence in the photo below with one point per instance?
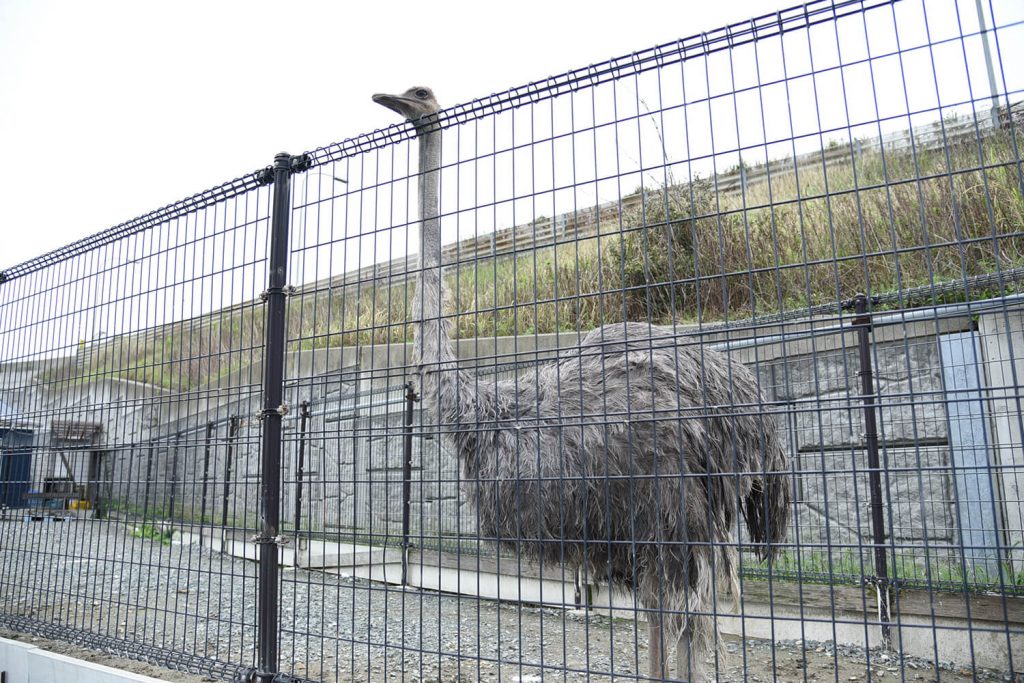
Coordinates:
(711, 351)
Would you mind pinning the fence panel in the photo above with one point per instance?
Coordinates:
(738, 198)
(704, 360)
(127, 363)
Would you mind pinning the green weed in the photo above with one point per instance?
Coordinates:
(153, 533)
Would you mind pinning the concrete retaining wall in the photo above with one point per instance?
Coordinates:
(196, 455)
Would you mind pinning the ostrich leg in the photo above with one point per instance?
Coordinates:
(655, 649)
(684, 655)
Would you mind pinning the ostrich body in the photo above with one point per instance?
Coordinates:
(632, 456)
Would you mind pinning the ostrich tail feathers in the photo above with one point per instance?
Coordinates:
(766, 507)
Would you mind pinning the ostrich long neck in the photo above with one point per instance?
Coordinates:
(432, 347)
(449, 394)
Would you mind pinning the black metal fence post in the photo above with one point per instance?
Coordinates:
(149, 479)
(272, 415)
(207, 445)
(410, 400)
(881, 579)
(300, 465)
(229, 456)
(174, 476)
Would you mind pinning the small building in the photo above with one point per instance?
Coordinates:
(17, 444)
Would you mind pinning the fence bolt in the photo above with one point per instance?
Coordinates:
(280, 411)
(275, 540)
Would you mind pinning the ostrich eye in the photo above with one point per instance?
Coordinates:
(422, 94)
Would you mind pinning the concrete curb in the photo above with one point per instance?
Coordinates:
(26, 663)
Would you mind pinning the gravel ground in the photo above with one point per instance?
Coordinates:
(97, 577)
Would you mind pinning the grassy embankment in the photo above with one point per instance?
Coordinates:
(809, 236)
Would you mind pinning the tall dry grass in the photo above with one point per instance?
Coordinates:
(817, 233)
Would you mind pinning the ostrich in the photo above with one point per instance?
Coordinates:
(631, 456)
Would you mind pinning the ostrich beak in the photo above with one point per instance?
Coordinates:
(396, 103)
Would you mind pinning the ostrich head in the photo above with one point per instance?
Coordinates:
(413, 104)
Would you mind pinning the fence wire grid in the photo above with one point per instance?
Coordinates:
(703, 363)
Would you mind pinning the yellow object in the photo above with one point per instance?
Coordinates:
(78, 505)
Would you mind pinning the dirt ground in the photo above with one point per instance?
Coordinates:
(791, 661)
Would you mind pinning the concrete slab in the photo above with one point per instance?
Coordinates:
(488, 585)
(14, 659)
(26, 663)
(320, 554)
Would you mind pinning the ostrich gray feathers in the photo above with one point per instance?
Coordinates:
(633, 456)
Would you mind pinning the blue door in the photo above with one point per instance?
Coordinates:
(15, 467)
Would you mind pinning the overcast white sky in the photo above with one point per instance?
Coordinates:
(110, 109)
